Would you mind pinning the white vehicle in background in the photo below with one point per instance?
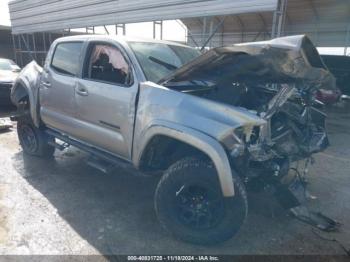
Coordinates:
(8, 73)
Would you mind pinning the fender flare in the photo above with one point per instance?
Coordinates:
(32, 91)
(197, 139)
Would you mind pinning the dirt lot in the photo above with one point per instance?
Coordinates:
(63, 206)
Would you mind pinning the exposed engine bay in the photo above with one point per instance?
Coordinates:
(295, 128)
(276, 80)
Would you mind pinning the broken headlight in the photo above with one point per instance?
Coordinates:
(239, 135)
(244, 135)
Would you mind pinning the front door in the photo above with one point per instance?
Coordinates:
(105, 99)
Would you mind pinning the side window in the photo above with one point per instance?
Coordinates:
(106, 63)
(66, 59)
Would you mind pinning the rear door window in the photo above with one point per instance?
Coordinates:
(66, 59)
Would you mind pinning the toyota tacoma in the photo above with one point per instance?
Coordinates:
(214, 125)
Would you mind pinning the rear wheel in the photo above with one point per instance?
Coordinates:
(34, 141)
(189, 203)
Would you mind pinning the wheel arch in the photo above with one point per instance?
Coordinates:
(162, 150)
(21, 93)
(197, 140)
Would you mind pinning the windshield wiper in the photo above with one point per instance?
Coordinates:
(163, 63)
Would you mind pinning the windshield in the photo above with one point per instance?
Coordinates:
(159, 60)
(6, 64)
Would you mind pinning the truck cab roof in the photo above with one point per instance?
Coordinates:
(116, 38)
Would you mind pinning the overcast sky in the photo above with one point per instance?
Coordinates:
(4, 13)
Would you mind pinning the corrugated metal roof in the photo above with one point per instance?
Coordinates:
(326, 22)
(29, 16)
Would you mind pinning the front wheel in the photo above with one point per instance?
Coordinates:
(189, 203)
(34, 141)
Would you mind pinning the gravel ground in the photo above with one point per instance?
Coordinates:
(63, 206)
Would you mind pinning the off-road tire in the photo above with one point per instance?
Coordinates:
(39, 139)
(194, 171)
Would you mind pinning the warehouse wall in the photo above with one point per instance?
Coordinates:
(326, 22)
(6, 49)
(235, 29)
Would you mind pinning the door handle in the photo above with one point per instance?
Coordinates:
(82, 91)
(46, 84)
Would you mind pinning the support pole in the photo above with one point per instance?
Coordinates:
(211, 27)
(266, 32)
(204, 30)
(188, 33)
(347, 40)
(20, 48)
(242, 26)
(160, 25)
(107, 32)
(192, 38)
(222, 34)
(34, 47)
(279, 18)
(122, 26)
(124, 29)
(27, 47)
(44, 41)
(213, 33)
(14, 48)
(27, 43)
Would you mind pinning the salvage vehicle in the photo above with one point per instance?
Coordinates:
(8, 74)
(213, 125)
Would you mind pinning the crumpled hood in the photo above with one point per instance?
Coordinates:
(285, 59)
(212, 118)
(7, 76)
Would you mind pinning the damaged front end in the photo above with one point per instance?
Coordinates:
(294, 128)
(277, 80)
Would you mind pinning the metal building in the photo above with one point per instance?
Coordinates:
(327, 23)
(209, 22)
(6, 50)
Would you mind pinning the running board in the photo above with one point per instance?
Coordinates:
(101, 165)
(96, 153)
(58, 146)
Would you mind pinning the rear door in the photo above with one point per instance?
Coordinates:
(57, 87)
(105, 98)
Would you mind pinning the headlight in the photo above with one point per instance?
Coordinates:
(247, 134)
(239, 134)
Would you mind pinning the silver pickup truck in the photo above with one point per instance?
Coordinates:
(215, 125)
